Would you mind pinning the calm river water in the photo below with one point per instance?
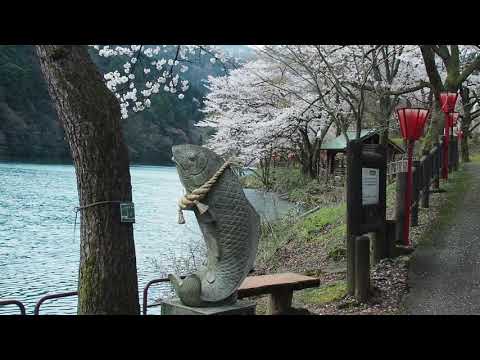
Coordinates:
(39, 253)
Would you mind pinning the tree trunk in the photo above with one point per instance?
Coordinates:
(435, 130)
(90, 115)
(384, 121)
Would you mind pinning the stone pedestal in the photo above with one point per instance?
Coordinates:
(175, 307)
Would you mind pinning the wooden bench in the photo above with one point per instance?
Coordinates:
(279, 286)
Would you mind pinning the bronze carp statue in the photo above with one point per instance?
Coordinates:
(229, 224)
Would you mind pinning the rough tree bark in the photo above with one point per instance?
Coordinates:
(90, 115)
(432, 137)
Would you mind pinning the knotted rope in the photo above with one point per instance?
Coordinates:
(188, 201)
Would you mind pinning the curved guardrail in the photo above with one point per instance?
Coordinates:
(14, 302)
(145, 292)
(52, 296)
(36, 311)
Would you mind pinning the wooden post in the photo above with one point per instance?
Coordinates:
(456, 154)
(354, 210)
(390, 234)
(280, 301)
(445, 156)
(451, 154)
(362, 268)
(416, 192)
(379, 238)
(400, 206)
(437, 164)
(426, 174)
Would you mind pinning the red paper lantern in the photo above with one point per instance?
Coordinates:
(412, 122)
(447, 101)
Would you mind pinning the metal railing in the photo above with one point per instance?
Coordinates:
(14, 302)
(36, 311)
(52, 296)
(426, 173)
(396, 167)
(145, 292)
(145, 305)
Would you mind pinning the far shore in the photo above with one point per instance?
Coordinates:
(69, 162)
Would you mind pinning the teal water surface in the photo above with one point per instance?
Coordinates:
(39, 253)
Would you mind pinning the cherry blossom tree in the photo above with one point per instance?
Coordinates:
(458, 66)
(147, 70)
(259, 108)
(345, 77)
(293, 93)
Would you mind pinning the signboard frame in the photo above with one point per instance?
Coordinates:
(370, 186)
(127, 212)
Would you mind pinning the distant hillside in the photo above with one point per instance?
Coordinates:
(30, 130)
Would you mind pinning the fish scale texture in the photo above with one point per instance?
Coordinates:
(236, 232)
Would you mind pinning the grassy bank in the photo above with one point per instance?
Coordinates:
(325, 230)
(295, 187)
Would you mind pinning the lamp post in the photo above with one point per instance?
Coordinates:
(448, 99)
(412, 122)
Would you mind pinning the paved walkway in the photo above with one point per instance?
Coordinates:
(445, 277)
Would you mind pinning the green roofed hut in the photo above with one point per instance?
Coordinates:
(338, 146)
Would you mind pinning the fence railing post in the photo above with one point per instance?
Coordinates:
(391, 225)
(379, 237)
(362, 268)
(437, 165)
(400, 206)
(427, 172)
(451, 150)
(416, 193)
(456, 155)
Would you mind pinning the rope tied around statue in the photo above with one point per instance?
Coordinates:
(192, 200)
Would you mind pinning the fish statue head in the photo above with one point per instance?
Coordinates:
(195, 164)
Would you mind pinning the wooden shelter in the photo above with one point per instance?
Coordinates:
(332, 153)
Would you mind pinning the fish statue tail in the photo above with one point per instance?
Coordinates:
(188, 289)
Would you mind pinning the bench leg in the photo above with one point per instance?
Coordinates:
(280, 302)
